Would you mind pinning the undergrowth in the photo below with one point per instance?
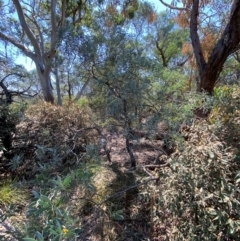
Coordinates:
(191, 195)
(11, 194)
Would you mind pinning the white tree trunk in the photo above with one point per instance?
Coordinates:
(59, 99)
(45, 82)
(80, 93)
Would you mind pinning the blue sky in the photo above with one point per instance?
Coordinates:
(159, 6)
(29, 65)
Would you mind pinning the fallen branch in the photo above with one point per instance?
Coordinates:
(159, 166)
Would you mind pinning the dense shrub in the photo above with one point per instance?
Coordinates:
(199, 197)
(51, 136)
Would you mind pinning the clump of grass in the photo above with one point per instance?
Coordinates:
(10, 194)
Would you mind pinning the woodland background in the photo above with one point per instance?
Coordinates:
(128, 126)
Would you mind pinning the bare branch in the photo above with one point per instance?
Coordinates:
(19, 75)
(172, 6)
(164, 61)
(26, 28)
(80, 93)
(63, 12)
(39, 32)
(54, 25)
(19, 46)
(158, 166)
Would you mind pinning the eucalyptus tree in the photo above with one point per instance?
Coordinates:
(33, 27)
(211, 49)
(74, 62)
(120, 73)
(79, 45)
(169, 40)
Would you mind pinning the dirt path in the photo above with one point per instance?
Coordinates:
(146, 152)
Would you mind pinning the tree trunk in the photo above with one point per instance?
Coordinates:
(59, 99)
(69, 90)
(80, 93)
(45, 82)
(228, 43)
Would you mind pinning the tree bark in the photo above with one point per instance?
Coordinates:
(228, 43)
(42, 59)
(45, 82)
(59, 99)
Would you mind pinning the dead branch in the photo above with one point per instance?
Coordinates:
(158, 166)
(172, 6)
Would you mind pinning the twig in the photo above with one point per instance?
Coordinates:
(144, 169)
(160, 165)
(172, 6)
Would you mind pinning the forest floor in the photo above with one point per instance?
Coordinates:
(123, 194)
(136, 223)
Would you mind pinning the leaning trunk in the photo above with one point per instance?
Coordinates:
(80, 93)
(208, 78)
(210, 70)
(45, 83)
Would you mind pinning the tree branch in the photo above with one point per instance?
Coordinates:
(63, 12)
(26, 28)
(229, 41)
(19, 75)
(49, 55)
(165, 63)
(172, 6)
(80, 92)
(53, 24)
(39, 32)
(194, 36)
(19, 46)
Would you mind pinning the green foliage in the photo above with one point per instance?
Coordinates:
(199, 198)
(11, 194)
(54, 215)
(83, 103)
(18, 109)
(57, 149)
(116, 215)
(172, 103)
(226, 104)
(16, 162)
(56, 221)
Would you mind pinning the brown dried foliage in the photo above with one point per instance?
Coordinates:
(182, 19)
(112, 10)
(66, 129)
(208, 42)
